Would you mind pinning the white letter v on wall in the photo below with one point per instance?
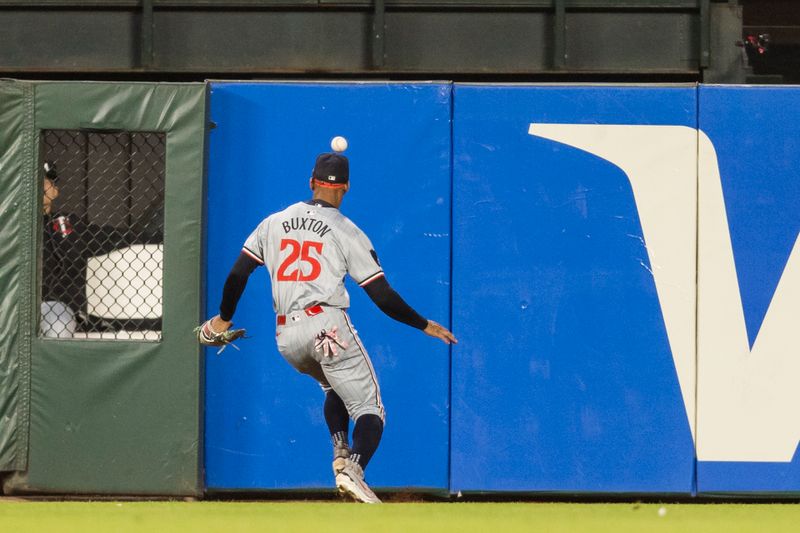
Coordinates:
(746, 401)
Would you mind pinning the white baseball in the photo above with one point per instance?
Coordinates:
(662, 511)
(339, 144)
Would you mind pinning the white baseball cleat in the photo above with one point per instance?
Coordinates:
(350, 481)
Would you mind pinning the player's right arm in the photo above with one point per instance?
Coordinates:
(249, 259)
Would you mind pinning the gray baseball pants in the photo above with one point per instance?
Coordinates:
(349, 372)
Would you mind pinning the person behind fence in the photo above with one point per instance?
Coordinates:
(67, 244)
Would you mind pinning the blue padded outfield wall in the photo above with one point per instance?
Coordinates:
(625, 285)
(749, 290)
(264, 421)
(564, 379)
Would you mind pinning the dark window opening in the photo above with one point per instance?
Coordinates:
(102, 234)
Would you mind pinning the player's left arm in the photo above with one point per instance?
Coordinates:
(365, 268)
(391, 303)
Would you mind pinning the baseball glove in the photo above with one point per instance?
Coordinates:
(208, 337)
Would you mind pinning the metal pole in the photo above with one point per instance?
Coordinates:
(379, 34)
(705, 33)
(560, 35)
(146, 36)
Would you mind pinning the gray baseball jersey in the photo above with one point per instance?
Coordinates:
(308, 249)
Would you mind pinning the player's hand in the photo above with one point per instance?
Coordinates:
(435, 329)
(218, 332)
(219, 325)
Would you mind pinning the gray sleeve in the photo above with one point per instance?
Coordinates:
(255, 245)
(362, 261)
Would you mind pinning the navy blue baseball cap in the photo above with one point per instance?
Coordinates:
(332, 169)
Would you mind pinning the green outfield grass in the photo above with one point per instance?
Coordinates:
(317, 517)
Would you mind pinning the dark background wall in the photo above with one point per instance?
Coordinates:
(778, 22)
(511, 40)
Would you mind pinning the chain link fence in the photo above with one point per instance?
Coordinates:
(103, 234)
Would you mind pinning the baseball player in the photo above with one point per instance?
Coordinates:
(308, 248)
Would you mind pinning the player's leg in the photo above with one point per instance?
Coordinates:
(366, 438)
(364, 408)
(295, 343)
(339, 426)
(352, 377)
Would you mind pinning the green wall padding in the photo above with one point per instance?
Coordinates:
(16, 123)
(124, 417)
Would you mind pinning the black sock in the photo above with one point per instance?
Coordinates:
(366, 437)
(336, 416)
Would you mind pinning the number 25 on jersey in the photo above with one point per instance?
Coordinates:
(303, 253)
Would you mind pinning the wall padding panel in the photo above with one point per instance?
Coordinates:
(264, 426)
(123, 416)
(749, 290)
(574, 214)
